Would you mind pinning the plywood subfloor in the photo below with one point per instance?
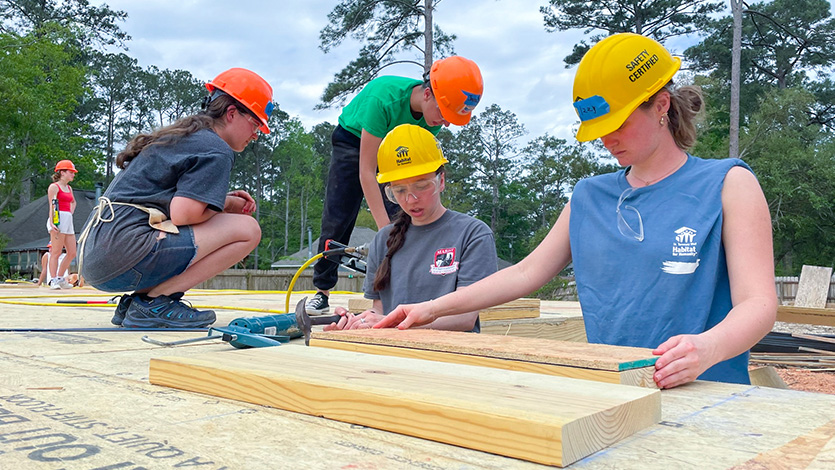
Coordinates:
(93, 387)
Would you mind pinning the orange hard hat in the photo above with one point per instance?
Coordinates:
(249, 89)
(457, 85)
(65, 165)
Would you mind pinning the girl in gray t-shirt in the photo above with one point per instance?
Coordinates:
(429, 250)
(167, 222)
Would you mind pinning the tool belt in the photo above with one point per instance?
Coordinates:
(156, 219)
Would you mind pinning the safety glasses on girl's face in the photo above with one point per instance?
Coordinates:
(399, 193)
(256, 124)
(629, 218)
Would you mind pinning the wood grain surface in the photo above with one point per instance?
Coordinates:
(544, 419)
(546, 351)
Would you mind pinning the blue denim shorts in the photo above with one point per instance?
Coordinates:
(169, 257)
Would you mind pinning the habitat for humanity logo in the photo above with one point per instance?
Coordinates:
(403, 157)
(684, 245)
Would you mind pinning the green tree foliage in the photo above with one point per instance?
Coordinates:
(112, 76)
(40, 86)
(94, 24)
(658, 19)
(795, 163)
(784, 43)
(552, 168)
(486, 147)
(389, 29)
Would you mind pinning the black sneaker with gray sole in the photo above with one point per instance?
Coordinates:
(317, 305)
(121, 309)
(166, 312)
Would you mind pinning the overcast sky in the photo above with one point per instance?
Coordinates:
(521, 63)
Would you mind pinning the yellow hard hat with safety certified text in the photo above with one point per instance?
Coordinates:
(616, 76)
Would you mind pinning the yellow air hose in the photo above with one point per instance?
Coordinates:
(293, 281)
(8, 299)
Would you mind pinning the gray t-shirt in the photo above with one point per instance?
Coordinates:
(196, 166)
(454, 251)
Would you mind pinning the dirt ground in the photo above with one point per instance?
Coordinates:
(807, 380)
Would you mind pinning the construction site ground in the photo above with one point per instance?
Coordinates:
(82, 400)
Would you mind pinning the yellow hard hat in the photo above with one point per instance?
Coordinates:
(407, 151)
(616, 76)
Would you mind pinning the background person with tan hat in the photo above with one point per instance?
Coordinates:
(674, 252)
(60, 225)
(446, 96)
(429, 250)
(167, 222)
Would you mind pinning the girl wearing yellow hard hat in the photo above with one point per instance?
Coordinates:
(167, 222)
(60, 224)
(673, 252)
(448, 95)
(429, 250)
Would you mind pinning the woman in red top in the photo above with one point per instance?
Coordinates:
(61, 235)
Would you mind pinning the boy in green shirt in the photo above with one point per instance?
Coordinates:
(448, 96)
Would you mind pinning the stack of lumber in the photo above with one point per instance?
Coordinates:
(814, 352)
(810, 302)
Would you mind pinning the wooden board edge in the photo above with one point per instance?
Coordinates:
(806, 316)
(638, 414)
(632, 378)
(641, 377)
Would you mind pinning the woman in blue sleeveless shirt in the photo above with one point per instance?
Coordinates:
(673, 253)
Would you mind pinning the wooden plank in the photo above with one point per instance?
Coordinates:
(601, 363)
(808, 316)
(519, 308)
(766, 376)
(359, 305)
(549, 420)
(592, 356)
(545, 327)
(640, 377)
(813, 286)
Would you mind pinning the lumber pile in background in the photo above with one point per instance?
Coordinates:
(810, 302)
(544, 419)
(598, 362)
(814, 352)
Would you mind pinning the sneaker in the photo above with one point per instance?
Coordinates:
(124, 303)
(317, 305)
(62, 283)
(166, 312)
(53, 283)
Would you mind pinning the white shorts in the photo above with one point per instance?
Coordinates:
(65, 225)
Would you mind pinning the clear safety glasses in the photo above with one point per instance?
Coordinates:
(255, 122)
(629, 218)
(399, 193)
